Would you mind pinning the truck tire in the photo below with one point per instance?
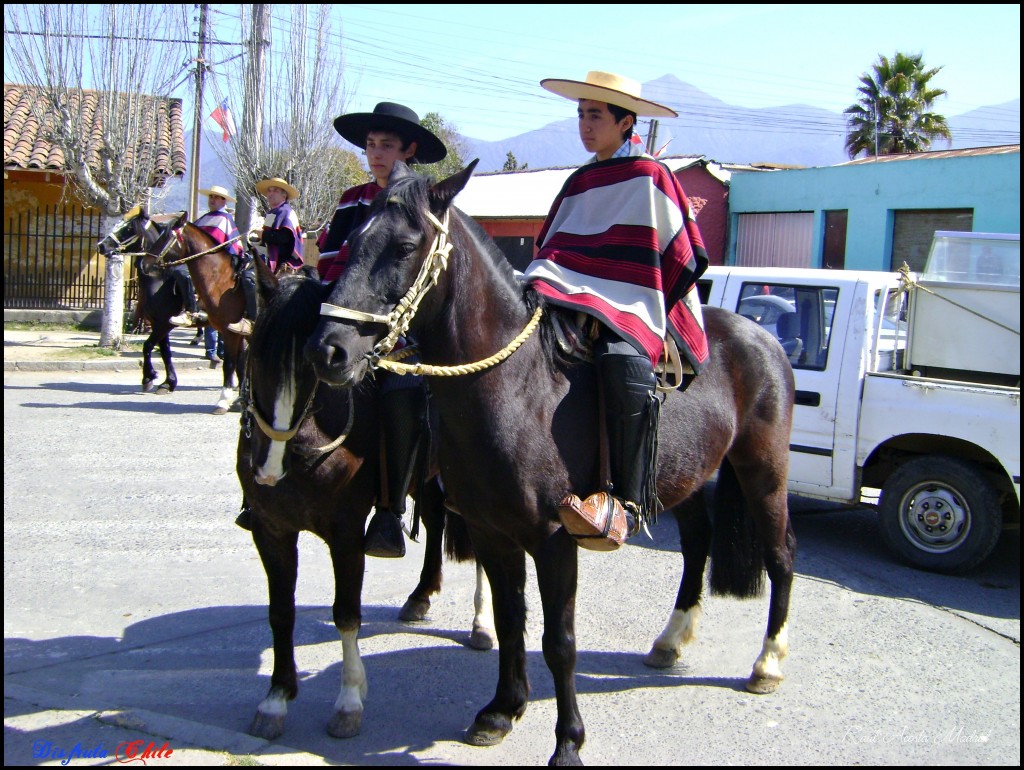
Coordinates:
(940, 514)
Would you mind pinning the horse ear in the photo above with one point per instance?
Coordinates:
(266, 281)
(443, 193)
(399, 171)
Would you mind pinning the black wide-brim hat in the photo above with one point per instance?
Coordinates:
(388, 116)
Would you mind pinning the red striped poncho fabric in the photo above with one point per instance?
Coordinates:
(352, 211)
(620, 243)
(220, 226)
(283, 218)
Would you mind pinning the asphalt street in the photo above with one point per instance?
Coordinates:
(134, 611)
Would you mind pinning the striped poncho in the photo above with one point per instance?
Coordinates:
(621, 244)
(282, 236)
(352, 211)
(220, 226)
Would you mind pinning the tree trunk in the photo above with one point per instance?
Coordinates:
(112, 329)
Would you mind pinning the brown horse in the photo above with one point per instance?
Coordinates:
(519, 432)
(308, 460)
(213, 274)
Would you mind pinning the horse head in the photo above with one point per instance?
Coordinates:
(398, 255)
(130, 231)
(281, 385)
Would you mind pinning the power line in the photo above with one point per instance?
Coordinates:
(113, 37)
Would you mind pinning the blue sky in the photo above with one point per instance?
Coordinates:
(480, 65)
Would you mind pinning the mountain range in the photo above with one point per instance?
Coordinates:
(797, 134)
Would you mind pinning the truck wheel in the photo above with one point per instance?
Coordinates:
(940, 514)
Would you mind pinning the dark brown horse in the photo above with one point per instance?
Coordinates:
(213, 274)
(308, 460)
(519, 432)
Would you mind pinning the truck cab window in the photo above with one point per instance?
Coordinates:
(800, 317)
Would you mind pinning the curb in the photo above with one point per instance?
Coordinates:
(193, 739)
(124, 365)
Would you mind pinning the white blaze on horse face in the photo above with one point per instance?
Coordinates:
(272, 470)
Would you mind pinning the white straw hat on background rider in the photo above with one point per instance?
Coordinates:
(221, 191)
(266, 184)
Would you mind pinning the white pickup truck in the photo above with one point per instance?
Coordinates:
(907, 390)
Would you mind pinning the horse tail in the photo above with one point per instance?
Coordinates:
(737, 566)
(457, 545)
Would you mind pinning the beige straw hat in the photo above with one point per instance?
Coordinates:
(261, 187)
(611, 89)
(218, 190)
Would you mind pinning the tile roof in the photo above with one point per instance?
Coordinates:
(26, 145)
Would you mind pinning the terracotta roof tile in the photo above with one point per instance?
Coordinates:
(26, 145)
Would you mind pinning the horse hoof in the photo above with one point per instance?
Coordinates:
(220, 409)
(482, 639)
(163, 390)
(480, 734)
(763, 685)
(345, 724)
(660, 658)
(565, 759)
(237, 406)
(414, 610)
(266, 726)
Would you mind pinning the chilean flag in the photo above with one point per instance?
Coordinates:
(222, 116)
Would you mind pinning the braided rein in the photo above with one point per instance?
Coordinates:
(399, 319)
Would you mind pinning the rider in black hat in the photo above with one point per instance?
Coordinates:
(390, 133)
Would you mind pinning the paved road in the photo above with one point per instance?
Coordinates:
(135, 610)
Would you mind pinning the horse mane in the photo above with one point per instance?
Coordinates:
(411, 193)
(288, 318)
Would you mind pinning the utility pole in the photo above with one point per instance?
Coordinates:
(252, 109)
(878, 127)
(197, 124)
(652, 136)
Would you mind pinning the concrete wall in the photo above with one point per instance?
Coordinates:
(709, 199)
(871, 192)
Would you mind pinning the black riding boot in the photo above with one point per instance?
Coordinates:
(249, 289)
(183, 283)
(403, 415)
(631, 416)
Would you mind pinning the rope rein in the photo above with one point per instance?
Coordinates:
(177, 234)
(399, 319)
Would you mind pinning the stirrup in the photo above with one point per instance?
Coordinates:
(599, 523)
(182, 319)
(384, 538)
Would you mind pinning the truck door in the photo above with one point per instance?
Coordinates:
(800, 315)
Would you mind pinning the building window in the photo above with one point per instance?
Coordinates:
(774, 240)
(913, 230)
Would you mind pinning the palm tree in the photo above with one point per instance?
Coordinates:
(894, 112)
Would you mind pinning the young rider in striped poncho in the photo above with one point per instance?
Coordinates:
(620, 244)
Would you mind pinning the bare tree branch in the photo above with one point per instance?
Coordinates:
(99, 102)
(302, 92)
